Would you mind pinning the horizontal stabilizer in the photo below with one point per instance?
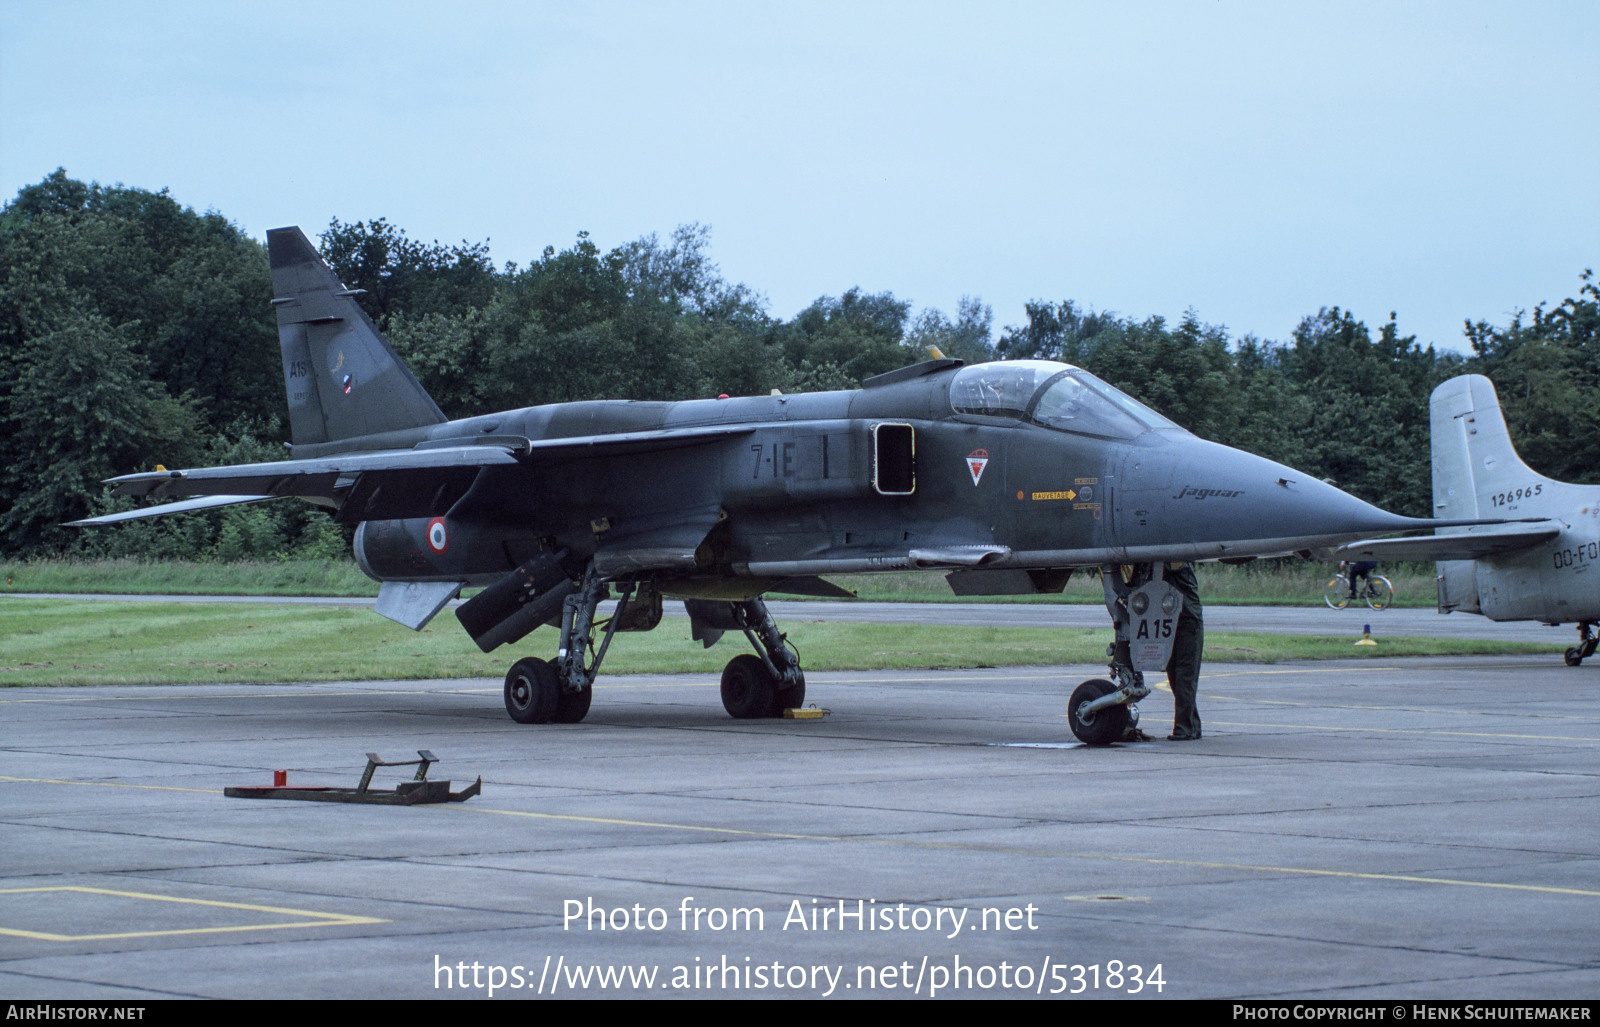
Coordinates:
(1470, 546)
(184, 506)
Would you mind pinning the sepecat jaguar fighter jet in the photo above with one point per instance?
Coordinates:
(1008, 475)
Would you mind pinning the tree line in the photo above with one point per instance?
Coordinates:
(135, 331)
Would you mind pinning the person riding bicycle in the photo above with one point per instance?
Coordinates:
(1361, 569)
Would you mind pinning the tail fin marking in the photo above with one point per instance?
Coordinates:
(343, 380)
(1475, 466)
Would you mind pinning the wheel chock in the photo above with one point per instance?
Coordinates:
(417, 791)
(807, 713)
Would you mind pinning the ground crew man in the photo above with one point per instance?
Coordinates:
(1183, 669)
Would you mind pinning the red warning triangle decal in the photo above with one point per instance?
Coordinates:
(977, 460)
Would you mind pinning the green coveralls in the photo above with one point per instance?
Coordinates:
(1183, 669)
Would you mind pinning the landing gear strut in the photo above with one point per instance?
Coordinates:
(1585, 647)
(768, 683)
(1144, 610)
(537, 692)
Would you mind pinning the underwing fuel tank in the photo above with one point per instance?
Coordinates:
(431, 549)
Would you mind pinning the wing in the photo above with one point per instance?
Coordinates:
(393, 483)
(1468, 546)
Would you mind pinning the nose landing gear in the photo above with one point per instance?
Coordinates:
(1096, 724)
(1144, 611)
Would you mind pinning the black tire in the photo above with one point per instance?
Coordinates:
(1379, 592)
(1108, 725)
(789, 698)
(1574, 656)
(532, 691)
(1337, 592)
(748, 691)
(572, 707)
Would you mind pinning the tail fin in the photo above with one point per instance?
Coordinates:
(1476, 470)
(343, 379)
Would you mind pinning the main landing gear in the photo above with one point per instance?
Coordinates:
(1585, 647)
(768, 683)
(559, 691)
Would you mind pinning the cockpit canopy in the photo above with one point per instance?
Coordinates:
(1055, 395)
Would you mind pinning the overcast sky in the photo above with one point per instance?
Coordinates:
(1254, 161)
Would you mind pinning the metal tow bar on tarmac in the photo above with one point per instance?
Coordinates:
(415, 792)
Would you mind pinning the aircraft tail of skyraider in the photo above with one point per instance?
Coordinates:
(343, 380)
(1476, 470)
(1542, 570)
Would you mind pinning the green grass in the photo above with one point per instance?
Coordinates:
(184, 577)
(1264, 583)
(69, 642)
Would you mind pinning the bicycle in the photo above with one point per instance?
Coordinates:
(1377, 593)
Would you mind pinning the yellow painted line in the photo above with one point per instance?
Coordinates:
(1580, 718)
(1407, 731)
(317, 919)
(107, 784)
(1395, 730)
(1358, 669)
(1213, 696)
(1020, 851)
(665, 826)
(1346, 706)
(1401, 731)
(1311, 872)
(745, 833)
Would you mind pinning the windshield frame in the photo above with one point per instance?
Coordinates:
(969, 384)
(1111, 413)
(1123, 406)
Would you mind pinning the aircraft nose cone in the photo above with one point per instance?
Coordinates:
(1224, 503)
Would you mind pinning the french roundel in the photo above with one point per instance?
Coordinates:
(438, 536)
